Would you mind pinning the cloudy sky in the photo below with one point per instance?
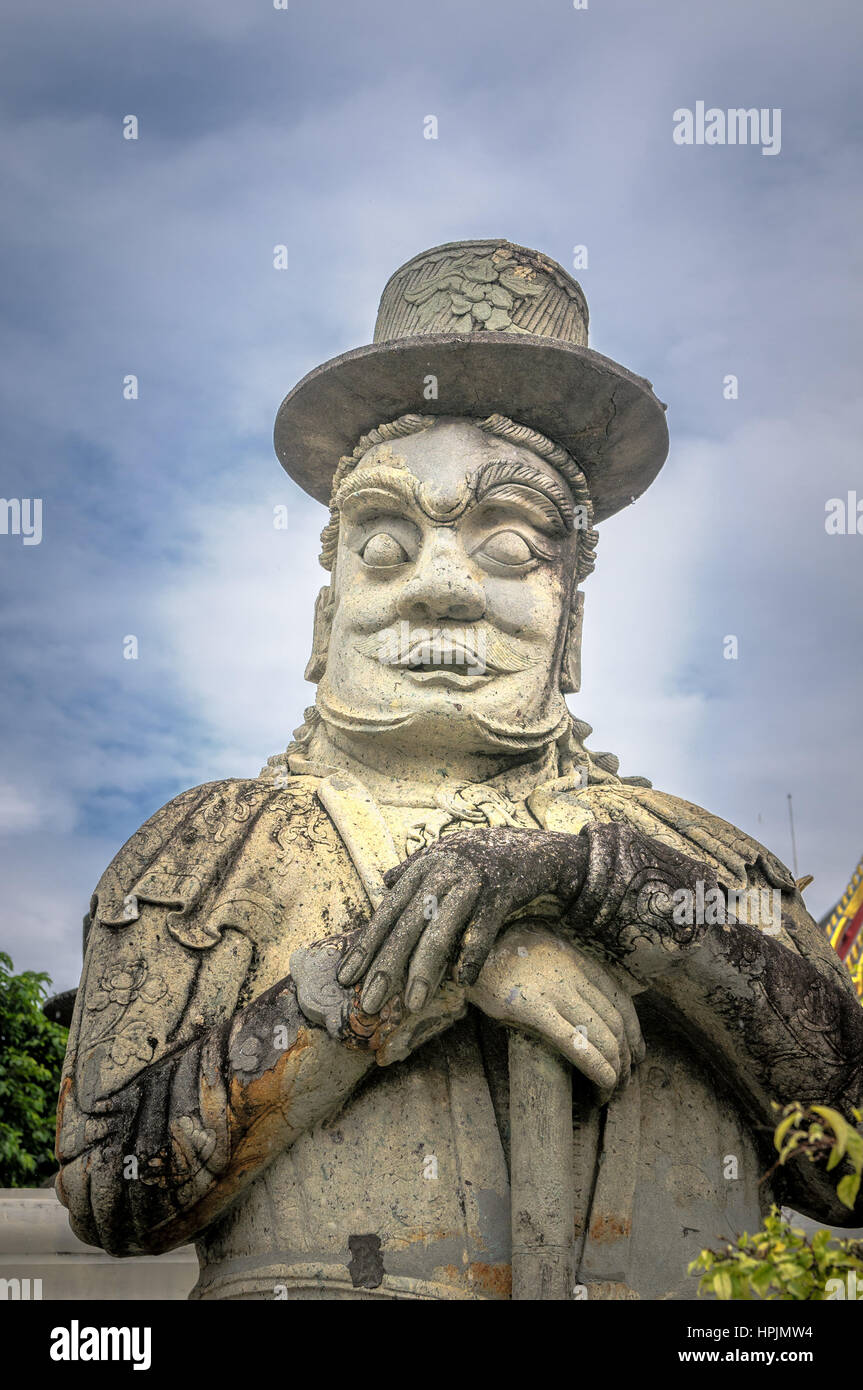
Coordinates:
(304, 127)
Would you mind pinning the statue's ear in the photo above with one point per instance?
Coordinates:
(570, 666)
(321, 635)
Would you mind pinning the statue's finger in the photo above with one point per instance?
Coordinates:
(392, 876)
(387, 969)
(375, 932)
(603, 980)
(584, 1057)
(429, 912)
(432, 955)
(479, 938)
(632, 1025)
(598, 999)
(587, 1029)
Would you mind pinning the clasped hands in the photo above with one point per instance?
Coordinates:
(445, 915)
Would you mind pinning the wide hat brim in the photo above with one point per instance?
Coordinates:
(605, 416)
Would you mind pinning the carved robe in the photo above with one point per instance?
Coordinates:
(303, 1170)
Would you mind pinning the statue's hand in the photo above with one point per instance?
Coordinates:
(391, 1034)
(537, 982)
(447, 904)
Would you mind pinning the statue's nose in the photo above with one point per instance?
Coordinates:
(442, 585)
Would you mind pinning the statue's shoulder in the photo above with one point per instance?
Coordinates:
(167, 827)
(180, 913)
(742, 864)
(191, 840)
(682, 825)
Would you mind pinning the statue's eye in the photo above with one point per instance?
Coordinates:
(383, 551)
(507, 548)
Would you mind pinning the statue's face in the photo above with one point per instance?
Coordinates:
(452, 589)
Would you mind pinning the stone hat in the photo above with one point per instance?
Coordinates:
(500, 330)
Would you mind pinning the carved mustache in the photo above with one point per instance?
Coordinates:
(478, 650)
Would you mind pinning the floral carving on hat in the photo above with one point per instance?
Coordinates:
(478, 292)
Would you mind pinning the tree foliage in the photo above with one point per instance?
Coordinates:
(817, 1131)
(779, 1263)
(31, 1056)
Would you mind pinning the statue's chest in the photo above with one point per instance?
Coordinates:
(298, 869)
(317, 861)
(416, 827)
(412, 827)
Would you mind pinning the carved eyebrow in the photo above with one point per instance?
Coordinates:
(499, 480)
(507, 480)
(387, 484)
(397, 483)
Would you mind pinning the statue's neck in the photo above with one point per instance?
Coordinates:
(411, 779)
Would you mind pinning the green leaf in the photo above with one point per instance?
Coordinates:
(782, 1129)
(838, 1124)
(855, 1149)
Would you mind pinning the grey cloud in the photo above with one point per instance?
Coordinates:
(155, 257)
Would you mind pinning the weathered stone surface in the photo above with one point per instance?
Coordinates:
(529, 361)
(416, 1013)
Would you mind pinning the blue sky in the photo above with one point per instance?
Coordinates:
(305, 127)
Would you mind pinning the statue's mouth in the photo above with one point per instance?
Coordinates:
(464, 651)
(439, 666)
(432, 673)
(441, 662)
(440, 654)
(459, 656)
(435, 650)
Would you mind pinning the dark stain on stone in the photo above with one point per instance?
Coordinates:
(367, 1263)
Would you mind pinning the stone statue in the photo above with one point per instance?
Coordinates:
(439, 1005)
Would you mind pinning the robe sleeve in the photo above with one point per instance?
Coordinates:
(175, 1090)
(764, 998)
